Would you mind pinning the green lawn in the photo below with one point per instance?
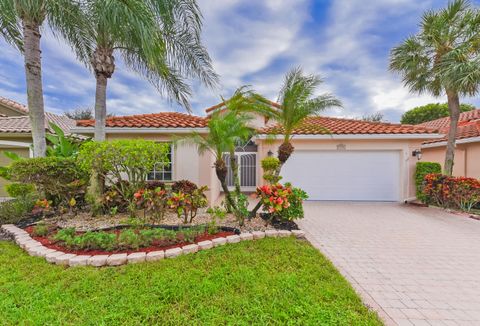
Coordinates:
(270, 281)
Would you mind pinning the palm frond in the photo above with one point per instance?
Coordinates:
(10, 27)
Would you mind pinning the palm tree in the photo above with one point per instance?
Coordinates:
(443, 58)
(159, 39)
(20, 22)
(297, 102)
(228, 129)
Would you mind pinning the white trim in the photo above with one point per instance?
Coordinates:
(359, 136)
(172, 151)
(18, 144)
(130, 130)
(460, 141)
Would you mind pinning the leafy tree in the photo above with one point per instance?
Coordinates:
(374, 117)
(20, 25)
(443, 58)
(158, 39)
(227, 130)
(80, 114)
(297, 102)
(430, 112)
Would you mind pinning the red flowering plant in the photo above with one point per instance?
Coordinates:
(455, 192)
(282, 201)
(42, 207)
(154, 202)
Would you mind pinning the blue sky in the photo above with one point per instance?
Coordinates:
(255, 42)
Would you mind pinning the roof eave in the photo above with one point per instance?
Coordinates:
(458, 141)
(357, 136)
(144, 130)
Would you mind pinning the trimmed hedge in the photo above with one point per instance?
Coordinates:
(422, 169)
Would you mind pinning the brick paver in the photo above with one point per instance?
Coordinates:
(414, 265)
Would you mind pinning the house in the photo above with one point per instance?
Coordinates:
(467, 151)
(353, 160)
(16, 131)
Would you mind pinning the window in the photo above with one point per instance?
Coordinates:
(163, 172)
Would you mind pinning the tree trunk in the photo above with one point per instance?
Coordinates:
(221, 171)
(454, 108)
(100, 107)
(234, 167)
(285, 150)
(103, 64)
(33, 72)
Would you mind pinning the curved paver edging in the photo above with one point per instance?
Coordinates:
(35, 248)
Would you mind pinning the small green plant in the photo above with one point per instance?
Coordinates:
(13, 211)
(129, 239)
(40, 230)
(187, 205)
(153, 202)
(19, 190)
(216, 213)
(270, 167)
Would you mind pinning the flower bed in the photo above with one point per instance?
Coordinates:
(123, 239)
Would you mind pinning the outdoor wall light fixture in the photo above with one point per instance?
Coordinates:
(270, 153)
(417, 153)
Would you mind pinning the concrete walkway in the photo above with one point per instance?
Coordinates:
(414, 265)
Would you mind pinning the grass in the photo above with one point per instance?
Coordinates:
(270, 281)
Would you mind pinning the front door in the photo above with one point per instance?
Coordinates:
(247, 170)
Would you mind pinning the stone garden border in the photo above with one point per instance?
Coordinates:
(35, 248)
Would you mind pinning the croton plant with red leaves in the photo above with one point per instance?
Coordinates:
(454, 192)
(274, 197)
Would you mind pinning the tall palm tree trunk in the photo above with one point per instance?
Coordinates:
(33, 72)
(234, 167)
(285, 150)
(100, 107)
(454, 108)
(103, 64)
(221, 171)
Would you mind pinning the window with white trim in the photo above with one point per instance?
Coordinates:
(161, 171)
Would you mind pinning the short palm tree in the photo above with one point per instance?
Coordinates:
(443, 58)
(20, 25)
(228, 129)
(297, 102)
(159, 39)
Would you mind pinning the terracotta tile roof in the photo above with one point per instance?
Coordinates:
(445, 122)
(21, 124)
(152, 120)
(468, 126)
(338, 126)
(464, 130)
(13, 105)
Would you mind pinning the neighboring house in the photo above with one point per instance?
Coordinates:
(353, 160)
(467, 152)
(9, 108)
(16, 132)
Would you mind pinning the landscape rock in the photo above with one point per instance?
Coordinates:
(174, 252)
(246, 236)
(219, 242)
(136, 257)
(258, 235)
(81, 260)
(284, 233)
(117, 259)
(299, 234)
(203, 245)
(98, 260)
(190, 249)
(53, 255)
(64, 259)
(233, 238)
(271, 233)
(155, 255)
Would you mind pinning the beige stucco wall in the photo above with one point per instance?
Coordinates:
(187, 162)
(405, 147)
(467, 158)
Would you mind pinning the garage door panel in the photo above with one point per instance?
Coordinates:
(348, 175)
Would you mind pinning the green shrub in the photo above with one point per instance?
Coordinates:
(129, 239)
(58, 178)
(17, 190)
(15, 210)
(123, 160)
(270, 166)
(422, 169)
(40, 230)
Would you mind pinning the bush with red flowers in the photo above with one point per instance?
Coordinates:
(282, 201)
(453, 192)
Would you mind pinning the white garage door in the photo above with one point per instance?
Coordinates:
(345, 175)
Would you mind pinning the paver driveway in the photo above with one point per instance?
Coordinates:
(414, 265)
